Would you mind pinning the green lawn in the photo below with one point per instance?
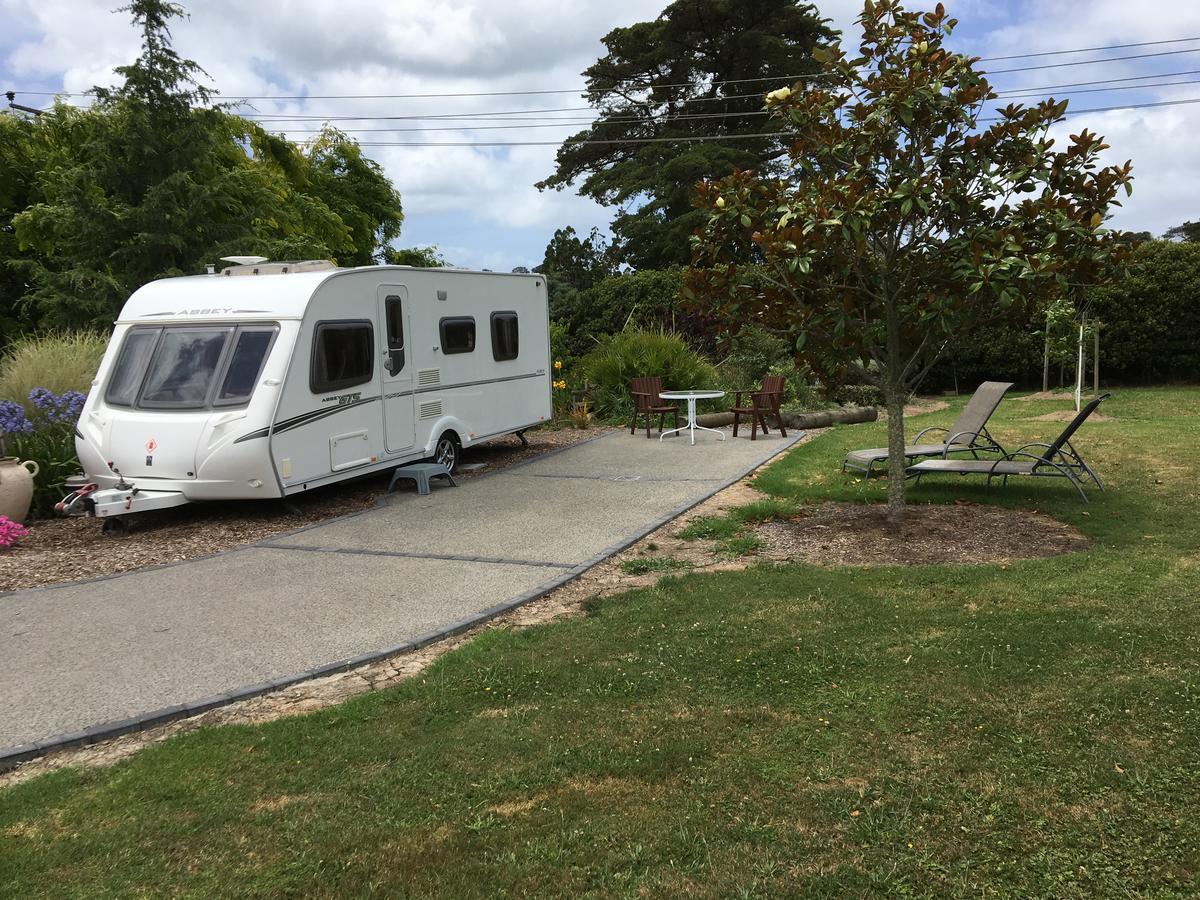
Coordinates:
(995, 731)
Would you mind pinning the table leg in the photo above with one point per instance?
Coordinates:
(691, 427)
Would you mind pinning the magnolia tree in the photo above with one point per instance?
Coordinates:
(912, 210)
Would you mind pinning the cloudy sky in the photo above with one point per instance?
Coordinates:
(478, 204)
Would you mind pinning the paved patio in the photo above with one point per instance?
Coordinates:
(76, 658)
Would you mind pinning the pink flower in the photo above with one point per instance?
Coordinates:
(11, 532)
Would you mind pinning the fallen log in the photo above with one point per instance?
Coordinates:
(847, 415)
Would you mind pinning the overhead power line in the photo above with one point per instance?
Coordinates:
(771, 78)
(727, 137)
(1089, 49)
(1090, 62)
(666, 120)
(1059, 87)
(1035, 92)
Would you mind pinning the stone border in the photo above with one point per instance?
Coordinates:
(11, 757)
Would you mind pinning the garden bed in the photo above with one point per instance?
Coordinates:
(59, 550)
(961, 533)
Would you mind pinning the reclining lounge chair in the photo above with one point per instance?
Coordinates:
(968, 434)
(1057, 460)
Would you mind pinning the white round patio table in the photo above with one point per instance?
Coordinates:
(691, 397)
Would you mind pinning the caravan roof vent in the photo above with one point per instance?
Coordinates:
(260, 266)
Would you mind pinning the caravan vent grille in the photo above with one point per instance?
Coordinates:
(431, 410)
(426, 377)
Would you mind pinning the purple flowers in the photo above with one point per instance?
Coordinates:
(48, 409)
(57, 409)
(13, 419)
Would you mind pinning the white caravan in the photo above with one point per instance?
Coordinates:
(270, 379)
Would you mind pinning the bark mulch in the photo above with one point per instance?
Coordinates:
(962, 533)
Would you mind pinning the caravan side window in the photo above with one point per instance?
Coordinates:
(504, 336)
(458, 334)
(343, 356)
(393, 313)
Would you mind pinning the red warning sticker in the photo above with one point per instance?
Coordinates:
(151, 445)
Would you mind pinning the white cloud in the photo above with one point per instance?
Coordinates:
(460, 46)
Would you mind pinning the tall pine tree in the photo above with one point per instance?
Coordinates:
(689, 86)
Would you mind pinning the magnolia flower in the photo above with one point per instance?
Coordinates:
(778, 96)
(720, 203)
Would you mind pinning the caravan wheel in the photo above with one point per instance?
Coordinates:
(447, 450)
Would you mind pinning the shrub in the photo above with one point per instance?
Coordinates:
(55, 362)
(46, 436)
(648, 299)
(1150, 321)
(754, 353)
(856, 395)
(1150, 330)
(632, 354)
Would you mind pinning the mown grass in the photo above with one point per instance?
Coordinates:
(644, 565)
(1028, 729)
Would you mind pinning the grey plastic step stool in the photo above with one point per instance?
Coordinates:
(421, 473)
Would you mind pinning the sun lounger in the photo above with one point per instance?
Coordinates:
(1056, 460)
(968, 434)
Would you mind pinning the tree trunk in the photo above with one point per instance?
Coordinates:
(894, 395)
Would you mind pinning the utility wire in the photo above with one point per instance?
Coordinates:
(1089, 49)
(1123, 106)
(1090, 62)
(692, 139)
(574, 123)
(1059, 87)
(773, 78)
(725, 137)
(1035, 92)
(537, 118)
(537, 114)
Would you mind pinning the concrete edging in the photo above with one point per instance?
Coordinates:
(11, 757)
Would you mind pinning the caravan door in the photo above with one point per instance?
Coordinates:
(398, 400)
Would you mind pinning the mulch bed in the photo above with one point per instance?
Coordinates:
(59, 550)
(962, 533)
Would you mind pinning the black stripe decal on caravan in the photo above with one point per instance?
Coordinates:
(450, 387)
(438, 388)
(315, 414)
(302, 419)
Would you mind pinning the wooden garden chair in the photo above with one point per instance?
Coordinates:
(762, 403)
(646, 402)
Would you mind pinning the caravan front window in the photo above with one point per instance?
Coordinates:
(131, 366)
(188, 366)
(183, 367)
(245, 364)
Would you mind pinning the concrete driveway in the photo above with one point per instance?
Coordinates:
(82, 661)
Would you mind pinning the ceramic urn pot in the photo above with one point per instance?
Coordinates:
(16, 487)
